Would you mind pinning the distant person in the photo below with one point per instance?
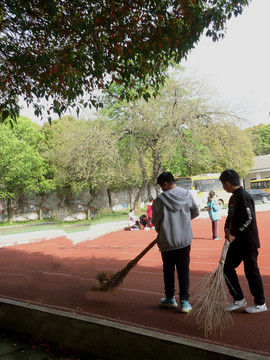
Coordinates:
(133, 221)
(144, 221)
(213, 212)
(173, 210)
(149, 211)
(242, 232)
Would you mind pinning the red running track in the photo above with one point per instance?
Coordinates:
(57, 273)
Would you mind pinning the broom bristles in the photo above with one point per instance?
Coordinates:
(211, 303)
(108, 281)
(211, 300)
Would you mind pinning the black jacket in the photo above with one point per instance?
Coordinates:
(241, 220)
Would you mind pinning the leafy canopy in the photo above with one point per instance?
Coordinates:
(82, 155)
(181, 131)
(62, 50)
(260, 136)
(21, 167)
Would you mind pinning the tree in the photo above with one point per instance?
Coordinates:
(260, 137)
(180, 131)
(27, 130)
(64, 50)
(31, 133)
(83, 155)
(21, 167)
(199, 136)
(224, 145)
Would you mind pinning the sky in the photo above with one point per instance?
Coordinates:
(237, 67)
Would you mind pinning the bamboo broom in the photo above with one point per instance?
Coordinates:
(108, 281)
(211, 300)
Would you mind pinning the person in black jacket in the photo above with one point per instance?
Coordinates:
(242, 232)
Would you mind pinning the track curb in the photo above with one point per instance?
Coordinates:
(107, 339)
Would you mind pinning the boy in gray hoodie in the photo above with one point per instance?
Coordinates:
(173, 210)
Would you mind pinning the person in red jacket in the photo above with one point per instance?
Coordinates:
(149, 211)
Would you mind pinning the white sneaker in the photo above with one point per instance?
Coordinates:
(237, 304)
(256, 309)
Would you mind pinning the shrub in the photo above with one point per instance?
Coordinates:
(105, 211)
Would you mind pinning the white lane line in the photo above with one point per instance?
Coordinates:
(13, 274)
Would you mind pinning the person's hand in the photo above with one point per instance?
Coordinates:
(230, 237)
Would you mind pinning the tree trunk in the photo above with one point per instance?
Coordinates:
(138, 197)
(148, 190)
(130, 198)
(110, 198)
(43, 198)
(9, 209)
(157, 167)
(88, 213)
(89, 205)
(40, 214)
(143, 188)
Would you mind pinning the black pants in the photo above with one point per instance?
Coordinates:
(234, 258)
(179, 258)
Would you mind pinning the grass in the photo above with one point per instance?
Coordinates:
(56, 223)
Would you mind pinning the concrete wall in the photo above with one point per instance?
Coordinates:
(66, 207)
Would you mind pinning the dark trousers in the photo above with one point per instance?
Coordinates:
(215, 229)
(234, 258)
(180, 259)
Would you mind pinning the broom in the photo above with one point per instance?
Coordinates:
(211, 299)
(108, 281)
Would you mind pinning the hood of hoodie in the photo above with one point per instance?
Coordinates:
(174, 199)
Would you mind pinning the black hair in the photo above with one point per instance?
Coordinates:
(231, 176)
(165, 177)
(211, 194)
(150, 198)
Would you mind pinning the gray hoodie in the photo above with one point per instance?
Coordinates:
(172, 211)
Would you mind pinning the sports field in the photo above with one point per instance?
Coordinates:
(60, 273)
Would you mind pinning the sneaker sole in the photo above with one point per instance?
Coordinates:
(236, 308)
(254, 312)
(168, 306)
(185, 311)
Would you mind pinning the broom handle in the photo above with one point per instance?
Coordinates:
(224, 251)
(141, 254)
(133, 262)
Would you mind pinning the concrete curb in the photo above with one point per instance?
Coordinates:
(94, 232)
(106, 339)
(30, 237)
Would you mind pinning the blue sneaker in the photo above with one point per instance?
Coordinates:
(169, 302)
(185, 306)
